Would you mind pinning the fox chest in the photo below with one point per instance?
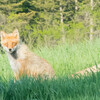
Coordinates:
(14, 63)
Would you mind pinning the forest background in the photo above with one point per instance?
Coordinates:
(66, 33)
(50, 22)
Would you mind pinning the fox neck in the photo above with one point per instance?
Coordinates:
(13, 57)
(14, 54)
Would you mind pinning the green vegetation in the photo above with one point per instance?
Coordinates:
(60, 89)
(65, 33)
(50, 22)
(66, 59)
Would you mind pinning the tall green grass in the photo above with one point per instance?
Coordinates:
(83, 88)
(66, 59)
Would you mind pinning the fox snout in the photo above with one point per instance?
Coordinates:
(10, 49)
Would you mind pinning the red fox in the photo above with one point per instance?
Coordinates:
(86, 71)
(22, 60)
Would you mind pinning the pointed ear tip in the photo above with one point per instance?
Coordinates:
(16, 31)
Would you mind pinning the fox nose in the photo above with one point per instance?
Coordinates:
(9, 49)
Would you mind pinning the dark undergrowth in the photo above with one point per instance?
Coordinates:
(64, 88)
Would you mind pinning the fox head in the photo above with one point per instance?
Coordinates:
(10, 41)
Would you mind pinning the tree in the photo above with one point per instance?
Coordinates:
(91, 21)
(76, 5)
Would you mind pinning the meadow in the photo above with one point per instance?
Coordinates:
(66, 59)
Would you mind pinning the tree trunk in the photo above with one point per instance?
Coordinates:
(91, 28)
(61, 20)
(61, 14)
(76, 5)
(91, 22)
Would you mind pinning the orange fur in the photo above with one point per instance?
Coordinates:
(86, 71)
(22, 60)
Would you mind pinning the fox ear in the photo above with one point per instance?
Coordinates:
(16, 33)
(2, 34)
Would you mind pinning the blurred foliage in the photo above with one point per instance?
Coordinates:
(39, 21)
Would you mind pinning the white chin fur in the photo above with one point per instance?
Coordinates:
(6, 49)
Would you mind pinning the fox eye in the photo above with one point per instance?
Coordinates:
(14, 43)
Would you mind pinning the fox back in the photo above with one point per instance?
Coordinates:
(22, 60)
